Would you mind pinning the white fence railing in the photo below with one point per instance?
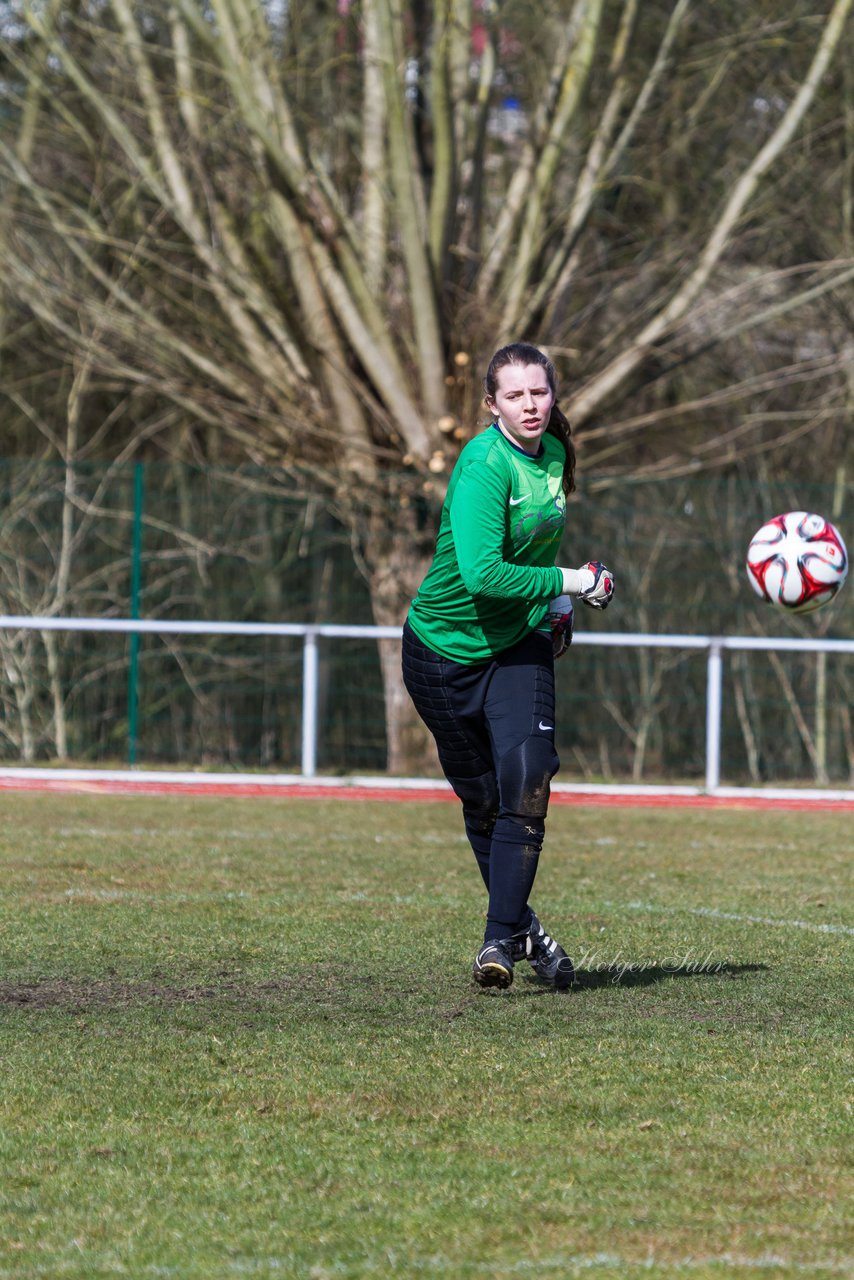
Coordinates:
(714, 647)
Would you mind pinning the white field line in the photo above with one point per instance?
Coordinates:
(568, 1264)
(712, 913)
(392, 1263)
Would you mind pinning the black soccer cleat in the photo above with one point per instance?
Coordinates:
(493, 965)
(545, 956)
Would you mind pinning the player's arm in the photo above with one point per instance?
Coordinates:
(479, 523)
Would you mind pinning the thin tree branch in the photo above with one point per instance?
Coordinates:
(603, 384)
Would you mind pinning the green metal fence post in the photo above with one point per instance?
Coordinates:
(135, 584)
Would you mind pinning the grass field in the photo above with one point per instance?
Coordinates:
(238, 1038)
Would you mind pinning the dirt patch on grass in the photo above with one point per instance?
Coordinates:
(322, 994)
(59, 993)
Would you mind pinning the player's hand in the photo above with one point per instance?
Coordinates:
(597, 585)
(560, 619)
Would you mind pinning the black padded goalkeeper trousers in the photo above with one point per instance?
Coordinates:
(494, 724)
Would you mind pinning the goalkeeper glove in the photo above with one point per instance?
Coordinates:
(592, 583)
(559, 619)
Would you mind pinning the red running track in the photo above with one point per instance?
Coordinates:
(307, 791)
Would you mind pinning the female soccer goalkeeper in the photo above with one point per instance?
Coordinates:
(480, 640)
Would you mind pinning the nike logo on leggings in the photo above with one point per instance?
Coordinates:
(546, 726)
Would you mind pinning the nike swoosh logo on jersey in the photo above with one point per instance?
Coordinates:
(514, 502)
(546, 726)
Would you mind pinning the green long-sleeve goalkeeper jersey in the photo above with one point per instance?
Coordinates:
(493, 572)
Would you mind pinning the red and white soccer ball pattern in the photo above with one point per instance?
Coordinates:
(797, 561)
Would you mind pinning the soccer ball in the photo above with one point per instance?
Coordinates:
(797, 561)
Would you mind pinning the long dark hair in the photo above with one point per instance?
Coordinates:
(522, 353)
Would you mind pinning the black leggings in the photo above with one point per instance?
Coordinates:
(494, 728)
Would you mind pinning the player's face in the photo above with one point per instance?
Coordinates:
(522, 404)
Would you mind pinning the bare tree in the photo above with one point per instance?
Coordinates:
(304, 232)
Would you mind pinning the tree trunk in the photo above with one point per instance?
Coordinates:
(60, 729)
(18, 663)
(396, 571)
